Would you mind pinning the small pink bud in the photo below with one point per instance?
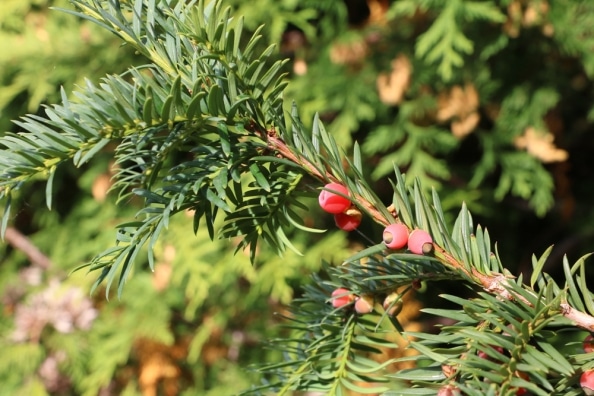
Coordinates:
(484, 355)
(588, 343)
(587, 382)
(396, 236)
(449, 390)
(348, 222)
(342, 297)
(364, 305)
(417, 241)
(448, 370)
(334, 203)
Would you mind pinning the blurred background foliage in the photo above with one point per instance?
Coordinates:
(491, 102)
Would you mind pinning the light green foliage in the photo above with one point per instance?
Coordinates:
(105, 354)
(47, 48)
(444, 43)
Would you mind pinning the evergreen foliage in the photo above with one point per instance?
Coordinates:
(205, 129)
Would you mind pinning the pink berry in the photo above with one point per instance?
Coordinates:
(342, 297)
(448, 390)
(334, 203)
(484, 355)
(348, 222)
(364, 305)
(396, 236)
(588, 343)
(587, 382)
(417, 239)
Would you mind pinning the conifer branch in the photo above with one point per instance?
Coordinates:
(182, 144)
(495, 283)
(277, 144)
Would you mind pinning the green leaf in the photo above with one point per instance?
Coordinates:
(576, 299)
(261, 179)
(420, 374)
(537, 266)
(49, 187)
(363, 390)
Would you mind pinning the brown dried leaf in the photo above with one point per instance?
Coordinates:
(299, 67)
(100, 188)
(348, 53)
(392, 87)
(535, 13)
(459, 102)
(157, 366)
(377, 11)
(460, 106)
(462, 127)
(162, 275)
(540, 145)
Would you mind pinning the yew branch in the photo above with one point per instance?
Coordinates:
(493, 283)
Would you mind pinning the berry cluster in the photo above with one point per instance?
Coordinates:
(396, 237)
(334, 199)
(364, 304)
(342, 297)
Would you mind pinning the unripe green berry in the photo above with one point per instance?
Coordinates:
(332, 202)
(395, 236)
(348, 222)
(393, 304)
(417, 241)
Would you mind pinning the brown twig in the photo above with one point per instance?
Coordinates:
(277, 144)
(20, 242)
(580, 318)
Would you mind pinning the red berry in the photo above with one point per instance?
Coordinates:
(524, 376)
(364, 305)
(332, 202)
(417, 239)
(587, 382)
(342, 297)
(588, 343)
(396, 236)
(348, 222)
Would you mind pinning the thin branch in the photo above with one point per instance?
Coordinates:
(580, 318)
(277, 144)
(20, 242)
